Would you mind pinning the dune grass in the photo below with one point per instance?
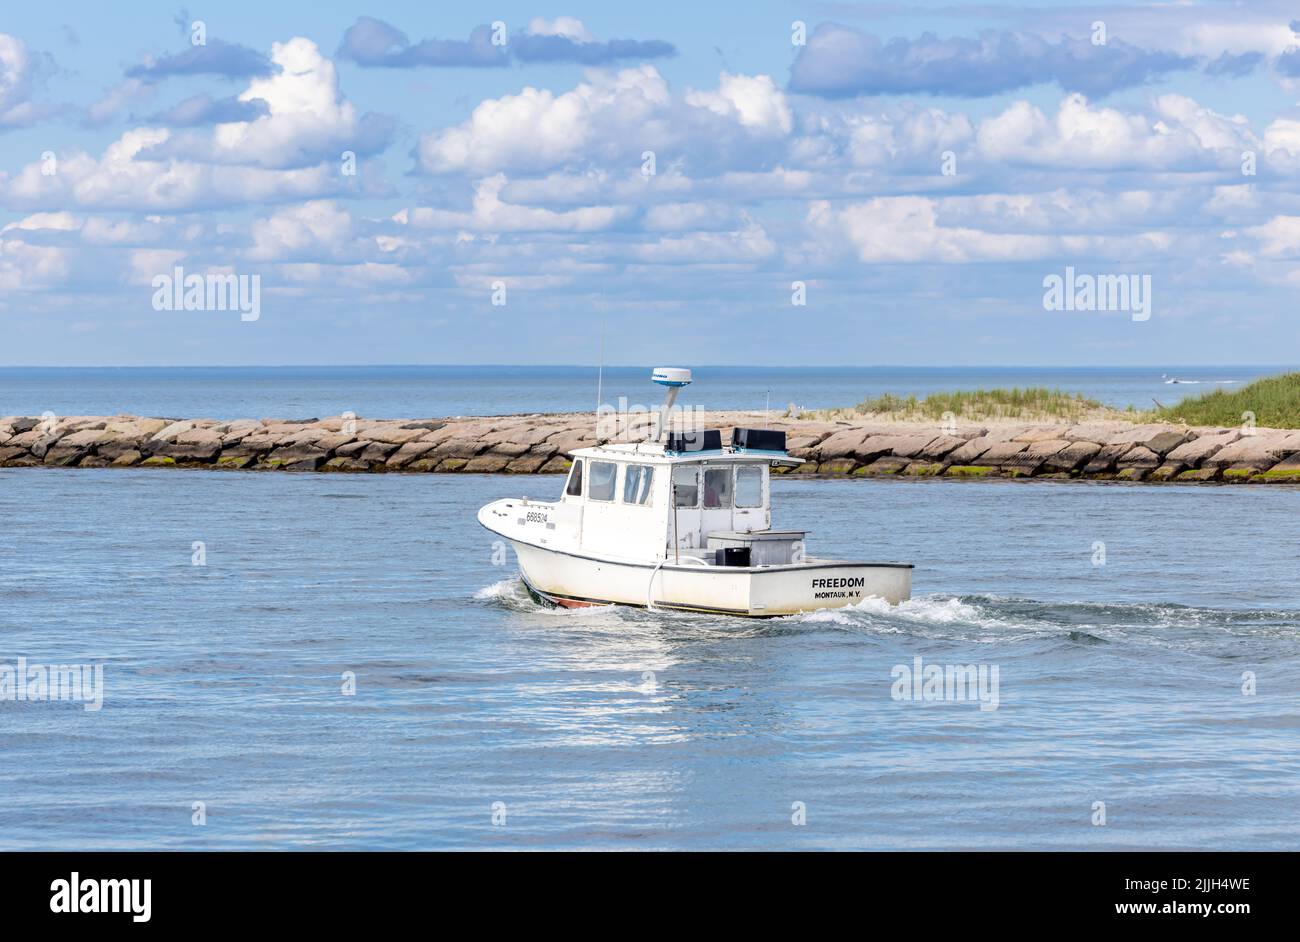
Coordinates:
(1030, 404)
(1274, 401)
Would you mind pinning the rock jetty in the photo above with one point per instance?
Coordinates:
(541, 443)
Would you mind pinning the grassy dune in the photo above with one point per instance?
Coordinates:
(1031, 404)
(1275, 401)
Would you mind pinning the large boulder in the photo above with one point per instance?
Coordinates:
(536, 434)
(305, 435)
(293, 458)
(1138, 457)
(22, 423)
(998, 453)
(1160, 439)
(842, 444)
(390, 432)
(118, 444)
(486, 464)
(1095, 431)
(25, 439)
(343, 463)
(975, 448)
(1040, 433)
(528, 464)
(1106, 460)
(87, 438)
(1193, 452)
(569, 439)
(187, 454)
(937, 449)
(1259, 451)
(45, 443)
(169, 433)
(1031, 457)
(505, 449)
(376, 452)
(1072, 457)
(131, 427)
(459, 447)
(897, 446)
(251, 446)
(800, 445)
(408, 453)
(199, 436)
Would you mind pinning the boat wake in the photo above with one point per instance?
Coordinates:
(980, 619)
(504, 589)
(994, 620)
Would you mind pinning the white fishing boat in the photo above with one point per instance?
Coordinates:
(680, 521)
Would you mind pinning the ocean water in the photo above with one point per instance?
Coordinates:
(1120, 683)
(428, 391)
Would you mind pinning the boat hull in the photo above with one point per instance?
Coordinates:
(571, 580)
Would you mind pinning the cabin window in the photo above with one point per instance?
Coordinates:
(636, 483)
(717, 488)
(749, 487)
(601, 485)
(574, 488)
(686, 486)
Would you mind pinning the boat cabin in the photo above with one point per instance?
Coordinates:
(689, 497)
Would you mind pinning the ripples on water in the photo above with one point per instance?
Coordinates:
(614, 727)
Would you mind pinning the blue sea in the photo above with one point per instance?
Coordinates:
(429, 391)
(1119, 683)
(1146, 641)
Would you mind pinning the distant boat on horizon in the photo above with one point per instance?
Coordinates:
(1174, 380)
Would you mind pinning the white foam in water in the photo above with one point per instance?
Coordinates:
(834, 616)
(925, 608)
(926, 612)
(512, 591)
(506, 588)
(940, 610)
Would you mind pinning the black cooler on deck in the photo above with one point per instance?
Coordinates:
(731, 556)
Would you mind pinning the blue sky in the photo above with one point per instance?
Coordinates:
(126, 150)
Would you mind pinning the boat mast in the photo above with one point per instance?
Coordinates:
(673, 379)
(600, 375)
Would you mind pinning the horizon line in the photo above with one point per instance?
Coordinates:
(731, 366)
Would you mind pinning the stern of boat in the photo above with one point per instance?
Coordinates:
(825, 584)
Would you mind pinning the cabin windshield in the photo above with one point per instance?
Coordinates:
(686, 486)
(749, 486)
(574, 487)
(603, 475)
(717, 488)
(637, 480)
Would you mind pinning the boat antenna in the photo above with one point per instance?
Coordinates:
(673, 378)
